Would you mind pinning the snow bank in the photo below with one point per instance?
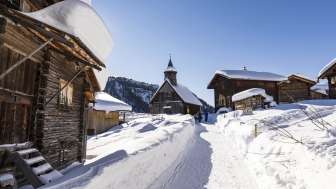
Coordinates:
(106, 102)
(79, 19)
(124, 153)
(278, 161)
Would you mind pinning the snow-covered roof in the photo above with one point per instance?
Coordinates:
(184, 93)
(327, 67)
(320, 88)
(79, 19)
(299, 75)
(250, 75)
(170, 69)
(106, 102)
(249, 93)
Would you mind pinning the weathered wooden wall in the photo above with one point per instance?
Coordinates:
(294, 90)
(52, 129)
(62, 128)
(252, 103)
(167, 97)
(317, 95)
(17, 89)
(101, 121)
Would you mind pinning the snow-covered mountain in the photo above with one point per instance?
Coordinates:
(135, 93)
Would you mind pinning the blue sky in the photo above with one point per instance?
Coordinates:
(281, 36)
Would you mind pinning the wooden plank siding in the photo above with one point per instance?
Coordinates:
(294, 90)
(61, 125)
(24, 115)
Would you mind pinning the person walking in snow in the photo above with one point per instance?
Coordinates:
(206, 116)
(199, 117)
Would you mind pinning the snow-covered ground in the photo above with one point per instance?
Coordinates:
(294, 147)
(290, 146)
(132, 155)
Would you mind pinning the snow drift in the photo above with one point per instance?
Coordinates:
(278, 161)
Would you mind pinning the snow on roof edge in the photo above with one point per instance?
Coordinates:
(327, 67)
(250, 75)
(249, 93)
(71, 17)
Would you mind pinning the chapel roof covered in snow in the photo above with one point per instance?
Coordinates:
(324, 71)
(106, 102)
(183, 92)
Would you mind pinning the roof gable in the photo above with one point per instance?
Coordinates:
(247, 75)
(183, 92)
(302, 78)
(250, 75)
(324, 71)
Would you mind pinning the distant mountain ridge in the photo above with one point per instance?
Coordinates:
(136, 93)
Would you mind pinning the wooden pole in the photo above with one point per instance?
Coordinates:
(59, 91)
(9, 70)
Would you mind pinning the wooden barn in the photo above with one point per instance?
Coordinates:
(295, 88)
(250, 99)
(329, 73)
(226, 83)
(172, 97)
(46, 84)
(105, 113)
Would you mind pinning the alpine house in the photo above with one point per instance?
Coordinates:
(227, 83)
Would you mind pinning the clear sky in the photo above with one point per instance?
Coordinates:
(281, 36)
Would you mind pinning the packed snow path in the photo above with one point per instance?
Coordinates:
(191, 169)
(228, 168)
(211, 161)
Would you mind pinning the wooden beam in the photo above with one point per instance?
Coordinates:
(9, 70)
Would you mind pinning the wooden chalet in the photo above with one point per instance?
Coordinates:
(329, 73)
(226, 83)
(46, 83)
(295, 88)
(173, 98)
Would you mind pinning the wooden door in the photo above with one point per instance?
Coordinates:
(16, 96)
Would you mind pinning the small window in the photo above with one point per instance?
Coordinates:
(221, 100)
(333, 80)
(65, 97)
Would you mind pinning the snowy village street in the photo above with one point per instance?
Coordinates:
(175, 152)
(197, 157)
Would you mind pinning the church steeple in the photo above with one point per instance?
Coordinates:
(170, 72)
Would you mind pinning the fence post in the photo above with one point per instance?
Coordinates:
(255, 130)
